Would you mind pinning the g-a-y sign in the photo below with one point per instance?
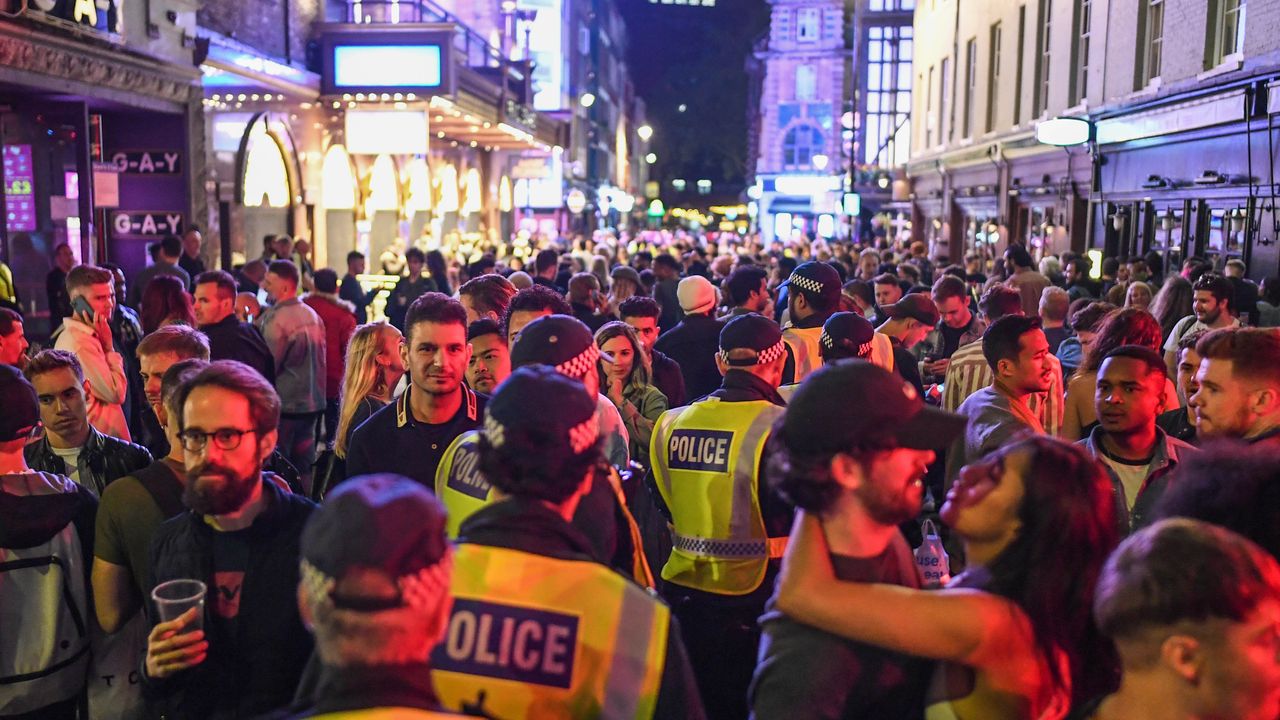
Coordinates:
(125, 224)
(148, 162)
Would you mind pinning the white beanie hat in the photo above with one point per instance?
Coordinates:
(696, 295)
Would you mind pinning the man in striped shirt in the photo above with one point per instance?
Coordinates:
(969, 372)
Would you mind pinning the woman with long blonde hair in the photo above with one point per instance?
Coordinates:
(374, 368)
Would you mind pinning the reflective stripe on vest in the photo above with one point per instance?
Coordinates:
(805, 347)
(459, 484)
(706, 459)
(536, 637)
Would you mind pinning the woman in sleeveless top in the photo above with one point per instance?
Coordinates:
(1014, 632)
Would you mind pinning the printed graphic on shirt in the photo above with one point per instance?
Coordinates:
(226, 602)
(705, 450)
(510, 643)
(464, 474)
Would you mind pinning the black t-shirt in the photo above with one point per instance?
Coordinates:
(805, 672)
(230, 560)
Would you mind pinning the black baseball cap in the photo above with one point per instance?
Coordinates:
(21, 406)
(847, 332)
(561, 341)
(382, 522)
(752, 332)
(818, 278)
(538, 400)
(917, 306)
(889, 412)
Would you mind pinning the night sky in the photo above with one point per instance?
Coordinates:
(695, 56)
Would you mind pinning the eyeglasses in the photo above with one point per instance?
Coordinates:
(195, 441)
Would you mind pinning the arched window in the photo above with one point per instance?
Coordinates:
(799, 146)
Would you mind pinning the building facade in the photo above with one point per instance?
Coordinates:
(100, 132)
(830, 107)
(1179, 95)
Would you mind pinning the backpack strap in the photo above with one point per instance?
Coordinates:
(162, 484)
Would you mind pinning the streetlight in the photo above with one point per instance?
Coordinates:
(645, 132)
(587, 100)
(651, 158)
(820, 161)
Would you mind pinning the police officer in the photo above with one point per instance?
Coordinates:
(565, 344)
(844, 335)
(539, 627)
(814, 295)
(729, 531)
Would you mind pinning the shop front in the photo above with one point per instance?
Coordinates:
(96, 139)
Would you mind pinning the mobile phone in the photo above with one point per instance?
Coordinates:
(80, 305)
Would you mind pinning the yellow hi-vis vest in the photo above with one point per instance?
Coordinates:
(705, 460)
(463, 490)
(805, 348)
(459, 484)
(536, 637)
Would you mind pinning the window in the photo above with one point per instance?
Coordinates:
(799, 146)
(993, 75)
(1083, 20)
(1040, 96)
(944, 100)
(806, 82)
(1150, 42)
(1017, 80)
(891, 5)
(808, 23)
(888, 91)
(929, 123)
(970, 84)
(1224, 35)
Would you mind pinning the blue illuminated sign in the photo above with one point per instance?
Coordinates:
(390, 66)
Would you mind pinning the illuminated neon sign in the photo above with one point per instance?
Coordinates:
(391, 66)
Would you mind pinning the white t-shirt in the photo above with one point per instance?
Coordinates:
(1132, 477)
(69, 457)
(1185, 327)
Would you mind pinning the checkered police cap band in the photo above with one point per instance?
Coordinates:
(419, 590)
(581, 436)
(829, 343)
(805, 283)
(763, 357)
(579, 366)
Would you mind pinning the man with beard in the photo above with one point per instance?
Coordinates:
(860, 467)
(409, 436)
(245, 655)
(1239, 377)
(1211, 310)
(1018, 354)
(71, 445)
(490, 361)
(747, 290)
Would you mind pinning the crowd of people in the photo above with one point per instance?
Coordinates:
(660, 476)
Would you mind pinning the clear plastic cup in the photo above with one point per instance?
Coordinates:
(175, 597)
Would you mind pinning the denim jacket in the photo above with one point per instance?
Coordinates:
(1169, 452)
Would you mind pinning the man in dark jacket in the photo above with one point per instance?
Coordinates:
(694, 342)
(71, 446)
(242, 534)
(229, 339)
(409, 288)
(540, 447)
(42, 516)
(351, 290)
(641, 313)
